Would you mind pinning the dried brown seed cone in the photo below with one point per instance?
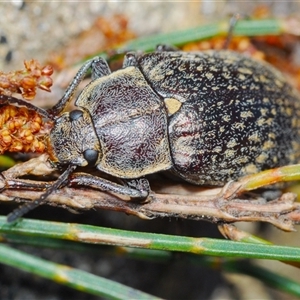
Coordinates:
(22, 130)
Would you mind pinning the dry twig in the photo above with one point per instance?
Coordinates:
(217, 205)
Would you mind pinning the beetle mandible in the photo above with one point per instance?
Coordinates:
(207, 117)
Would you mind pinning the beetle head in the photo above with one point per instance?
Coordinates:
(74, 140)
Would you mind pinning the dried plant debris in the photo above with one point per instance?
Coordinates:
(27, 81)
(240, 44)
(227, 204)
(104, 34)
(22, 130)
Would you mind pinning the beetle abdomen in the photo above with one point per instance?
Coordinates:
(237, 116)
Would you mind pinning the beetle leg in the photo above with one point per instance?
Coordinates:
(163, 47)
(232, 24)
(23, 209)
(136, 189)
(95, 64)
(100, 68)
(23, 184)
(130, 60)
(9, 100)
(140, 184)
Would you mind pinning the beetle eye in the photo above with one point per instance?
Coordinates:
(75, 114)
(91, 156)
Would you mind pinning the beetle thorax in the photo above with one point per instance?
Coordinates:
(131, 123)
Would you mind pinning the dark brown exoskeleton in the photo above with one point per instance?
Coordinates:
(207, 117)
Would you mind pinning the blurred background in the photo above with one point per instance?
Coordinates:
(62, 33)
(34, 29)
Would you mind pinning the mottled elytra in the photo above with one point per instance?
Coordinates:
(206, 117)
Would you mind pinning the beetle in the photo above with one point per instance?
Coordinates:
(205, 117)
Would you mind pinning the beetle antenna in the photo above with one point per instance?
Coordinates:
(6, 100)
(232, 24)
(25, 208)
(62, 103)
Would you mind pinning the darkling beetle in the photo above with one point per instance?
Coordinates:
(207, 117)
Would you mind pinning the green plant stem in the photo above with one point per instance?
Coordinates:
(71, 277)
(178, 38)
(107, 236)
(225, 264)
(268, 277)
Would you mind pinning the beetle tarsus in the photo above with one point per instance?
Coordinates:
(135, 189)
(141, 186)
(23, 209)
